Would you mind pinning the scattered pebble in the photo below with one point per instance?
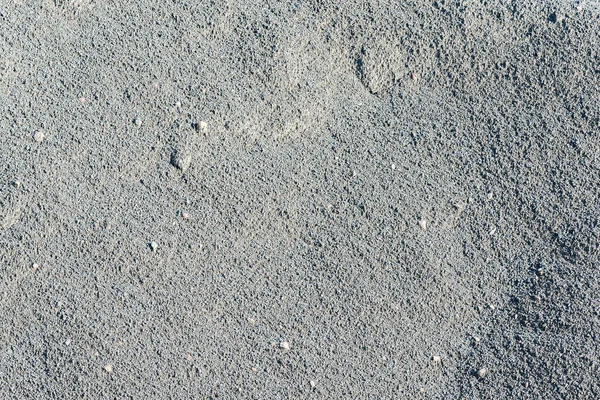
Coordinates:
(181, 160)
(35, 265)
(251, 321)
(154, 246)
(185, 215)
(436, 359)
(189, 357)
(82, 100)
(423, 224)
(17, 184)
(492, 307)
(482, 372)
(137, 122)
(476, 339)
(254, 369)
(393, 167)
(178, 104)
(313, 384)
(284, 345)
(108, 368)
(39, 136)
(490, 195)
(493, 230)
(202, 125)
(67, 342)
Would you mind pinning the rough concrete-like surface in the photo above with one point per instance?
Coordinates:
(388, 199)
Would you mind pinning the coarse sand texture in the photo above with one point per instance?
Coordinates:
(307, 199)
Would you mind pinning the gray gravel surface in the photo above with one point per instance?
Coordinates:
(299, 199)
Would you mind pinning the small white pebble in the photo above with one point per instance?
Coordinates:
(185, 215)
(178, 104)
(108, 368)
(493, 230)
(393, 166)
(313, 384)
(251, 321)
(202, 125)
(492, 307)
(436, 359)
(137, 122)
(36, 266)
(284, 345)
(490, 195)
(67, 342)
(423, 224)
(39, 136)
(154, 246)
(254, 369)
(476, 339)
(482, 372)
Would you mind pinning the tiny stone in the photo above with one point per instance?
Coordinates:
(181, 160)
(393, 166)
(185, 215)
(17, 184)
(189, 357)
(313, 384)
(202, 125)
(254, 369)
(477, 339)
(423, 224)
(154, 246)
(284, 345)
(482, 372)
(108, 368)
(178, 104)
(251, 321)
(137, 122)
(490, 195)
(39, 136)
(492, 307)
(436, 359)
(68, 342)
(36, 266)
